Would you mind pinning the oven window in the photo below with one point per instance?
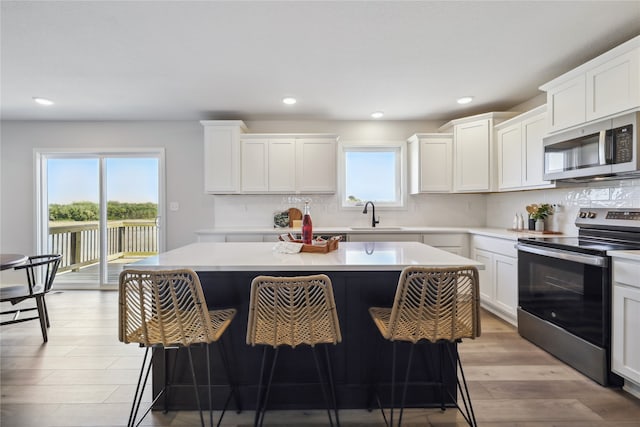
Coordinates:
(571, 295)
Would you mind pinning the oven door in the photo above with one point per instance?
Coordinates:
(568, 289)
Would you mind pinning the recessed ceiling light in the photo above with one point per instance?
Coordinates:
(465, 99)
(42, 101)
(377, 114)
(289, 100)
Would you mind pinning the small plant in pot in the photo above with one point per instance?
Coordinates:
(539, 213)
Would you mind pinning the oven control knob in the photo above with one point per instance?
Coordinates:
(583, 214)
(591, 215)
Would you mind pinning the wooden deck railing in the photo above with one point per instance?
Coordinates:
(79, 243)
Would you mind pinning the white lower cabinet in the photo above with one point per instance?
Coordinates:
(625, 313)
(456, 243)
(384, 237)
(499, 279)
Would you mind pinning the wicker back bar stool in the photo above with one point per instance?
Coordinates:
(166, 309)
(293, 311)
(434, 306)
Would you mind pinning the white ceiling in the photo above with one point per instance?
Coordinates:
(189, 60)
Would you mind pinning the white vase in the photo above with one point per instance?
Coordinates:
(540, 225)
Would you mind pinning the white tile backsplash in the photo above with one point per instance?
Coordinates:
(501, 207)
(423, 209)
(477, 210)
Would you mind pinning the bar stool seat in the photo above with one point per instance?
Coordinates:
(167, 309)
(434, 306)
(292, 311)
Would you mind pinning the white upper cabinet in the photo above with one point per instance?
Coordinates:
(510, 157)
(222, 155)
(316, 161)
(520, 151)
(430, 163)
(473, 151)
(614, 86)
(566, 104)
(288, 164)
(268, 165)
(605, 86)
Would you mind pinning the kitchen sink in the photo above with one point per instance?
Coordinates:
(383, 228)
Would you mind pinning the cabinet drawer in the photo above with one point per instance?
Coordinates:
(500, 246)
(445, 239)
(626, 272)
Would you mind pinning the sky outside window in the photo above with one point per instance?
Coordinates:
(371, 175)
(129, 180)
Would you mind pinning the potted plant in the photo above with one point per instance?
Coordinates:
(539, 213)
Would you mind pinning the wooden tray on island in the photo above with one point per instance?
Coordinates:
(323, 247)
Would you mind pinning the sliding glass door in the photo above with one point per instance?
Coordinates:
(100, 211)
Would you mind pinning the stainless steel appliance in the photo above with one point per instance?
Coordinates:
(608, 148)
(564, 289)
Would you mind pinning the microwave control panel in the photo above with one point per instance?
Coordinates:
(624, 144)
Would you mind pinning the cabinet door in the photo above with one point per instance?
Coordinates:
(436, 165)
(510, 157)
(316, 165)
(566, 104)
(487, 292)
(221, 159)
(505, 271)
(533, 130)
(614, 86)
(255, 156)
(625, 353)
(384, 237)
(472, 151)
(282, 165)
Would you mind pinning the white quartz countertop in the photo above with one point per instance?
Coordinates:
(334, 230)
(501, 233)
(260, 256)
(631, 255)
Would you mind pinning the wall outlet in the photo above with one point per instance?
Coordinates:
(174, 206)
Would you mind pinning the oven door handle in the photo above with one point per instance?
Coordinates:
(595, 260)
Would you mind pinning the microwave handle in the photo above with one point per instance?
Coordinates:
(602, 147)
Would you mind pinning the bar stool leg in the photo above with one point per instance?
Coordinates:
(393, 382)
(332, 384)
(322, 386)
(406, 382)
(195, 385)
(209, 385)
(230, 379)
(137, 397)
(266, 395)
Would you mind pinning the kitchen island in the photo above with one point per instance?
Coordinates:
(363, 274)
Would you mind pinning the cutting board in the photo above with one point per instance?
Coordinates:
(294, 214)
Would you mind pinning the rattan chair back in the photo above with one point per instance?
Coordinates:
(432, 304)
(167, 307)
(292, 311)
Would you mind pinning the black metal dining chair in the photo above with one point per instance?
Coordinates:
(41, 271)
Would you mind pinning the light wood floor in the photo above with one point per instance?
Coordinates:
(85, 377)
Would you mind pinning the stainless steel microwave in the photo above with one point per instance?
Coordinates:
(607, 148)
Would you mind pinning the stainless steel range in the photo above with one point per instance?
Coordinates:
(564, 289)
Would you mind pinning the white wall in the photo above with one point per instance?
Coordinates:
(183, 144)
(184, 168)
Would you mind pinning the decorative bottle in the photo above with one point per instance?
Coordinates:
(515, 222)
(307, 228)
(520, 222)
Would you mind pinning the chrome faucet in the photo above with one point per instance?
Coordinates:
(373, 213)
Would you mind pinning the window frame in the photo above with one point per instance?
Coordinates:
(399, 147)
